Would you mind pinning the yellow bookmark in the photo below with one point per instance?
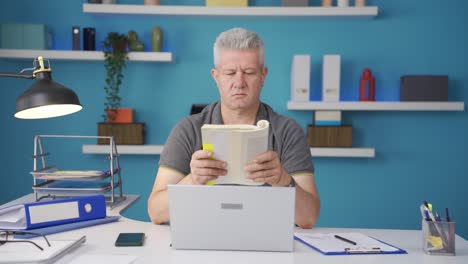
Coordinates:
(209, 147)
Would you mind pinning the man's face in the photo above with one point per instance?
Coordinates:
(240, 78)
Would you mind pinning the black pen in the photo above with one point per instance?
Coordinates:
(345, 239)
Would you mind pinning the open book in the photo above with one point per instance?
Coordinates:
(237, 145)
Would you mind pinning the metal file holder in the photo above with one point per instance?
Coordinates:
(50, 182)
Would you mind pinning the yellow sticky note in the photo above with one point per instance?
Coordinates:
(209, 147)
(212, 182)
(435, 241)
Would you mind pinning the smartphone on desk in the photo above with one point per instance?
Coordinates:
(130, 240)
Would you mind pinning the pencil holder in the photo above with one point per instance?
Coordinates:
(438, 237)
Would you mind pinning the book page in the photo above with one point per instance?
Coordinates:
(237, 145)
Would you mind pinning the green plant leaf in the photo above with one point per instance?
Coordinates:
(115, 55)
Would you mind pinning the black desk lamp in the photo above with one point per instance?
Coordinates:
(45, 98)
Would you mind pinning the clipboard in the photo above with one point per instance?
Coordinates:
(328, 244)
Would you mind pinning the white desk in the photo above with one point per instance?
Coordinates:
(100, 240)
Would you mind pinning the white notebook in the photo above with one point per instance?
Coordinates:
(27, 253)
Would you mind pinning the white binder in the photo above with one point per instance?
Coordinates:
(300, 78)
(331, 74)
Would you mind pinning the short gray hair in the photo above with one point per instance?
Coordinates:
(238, 39)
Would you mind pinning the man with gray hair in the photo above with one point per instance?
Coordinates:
(239, 74)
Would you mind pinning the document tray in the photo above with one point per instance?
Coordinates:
(50, 181)
(74, 188)
(53, 173)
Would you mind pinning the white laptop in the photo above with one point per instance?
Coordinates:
(256, 218)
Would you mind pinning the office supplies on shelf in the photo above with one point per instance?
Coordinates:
(429, 88)
(70, 226)
(24, 253)
(327, 118)
(331, 76)
(50, 181)
(447, 216)
(53, 212)
(300, 78)
(328, 244)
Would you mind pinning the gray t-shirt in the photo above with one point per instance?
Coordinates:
(285, 137)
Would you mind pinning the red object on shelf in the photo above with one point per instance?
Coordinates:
(120, 115)
(367, 81)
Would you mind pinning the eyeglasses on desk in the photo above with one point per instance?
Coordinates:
(5, 234)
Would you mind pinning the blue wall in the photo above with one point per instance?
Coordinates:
(420, 155)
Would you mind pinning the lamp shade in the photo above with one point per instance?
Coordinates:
(45, 99)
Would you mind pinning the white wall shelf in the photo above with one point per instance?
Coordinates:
(157, 150)
(367, 11)
(81, 55)
(378, 106)
(343, 152)
(124, 149)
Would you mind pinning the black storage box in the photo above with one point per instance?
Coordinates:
(424, 88)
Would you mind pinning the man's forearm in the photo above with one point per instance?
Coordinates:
(158, 207)
(307, 208)
(158, 203)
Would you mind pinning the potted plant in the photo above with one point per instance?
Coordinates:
(115, 54)
(118, 122)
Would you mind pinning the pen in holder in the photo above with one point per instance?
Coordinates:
(438, 237)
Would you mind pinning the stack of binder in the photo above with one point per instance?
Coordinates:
(48, 217)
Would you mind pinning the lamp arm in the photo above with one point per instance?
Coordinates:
(17, 75)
